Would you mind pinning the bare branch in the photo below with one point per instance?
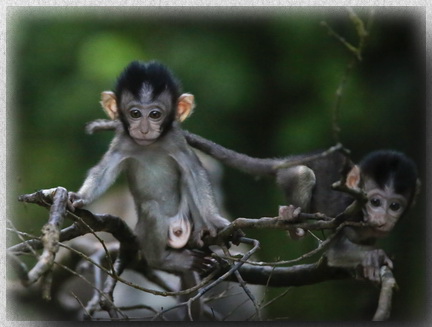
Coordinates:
(50, 237)
(299, 275)
(279, 222)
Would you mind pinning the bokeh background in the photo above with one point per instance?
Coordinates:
(264, 81)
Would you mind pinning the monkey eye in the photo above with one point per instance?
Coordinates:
(375, 202)
(395, 206)
(155, 114)
(135, 113)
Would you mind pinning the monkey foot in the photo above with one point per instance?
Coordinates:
(289, 213)
(203, 262)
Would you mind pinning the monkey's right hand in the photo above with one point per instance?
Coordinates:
(75, 200)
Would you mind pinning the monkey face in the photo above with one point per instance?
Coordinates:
(384, 207)
(146, 118)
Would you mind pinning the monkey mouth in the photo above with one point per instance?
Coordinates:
(144, 141)
(380, 231)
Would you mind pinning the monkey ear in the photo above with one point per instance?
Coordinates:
(109, 104)
(353, 178)
(185, 106)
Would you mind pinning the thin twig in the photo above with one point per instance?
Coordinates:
(244, 286)
(120, 279)
(204, 286)
(321, 247)
(87, 282)
(249, 294)
(276, 298)
(235, 267)
(362, 32)
(101, 241)
(86, 313)
(238, 306)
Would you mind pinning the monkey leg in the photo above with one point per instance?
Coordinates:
(297, 184)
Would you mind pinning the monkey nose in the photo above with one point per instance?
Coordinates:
(378, 222)
(144, 128)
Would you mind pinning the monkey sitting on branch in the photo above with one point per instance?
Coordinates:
(172, 194)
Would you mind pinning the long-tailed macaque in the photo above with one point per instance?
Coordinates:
(388, 178)
(171, 191)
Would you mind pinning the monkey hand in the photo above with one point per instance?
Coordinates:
(372, 262)
(235, 237)
(75, 200)
(290, 214)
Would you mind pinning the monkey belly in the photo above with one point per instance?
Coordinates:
(155, 179)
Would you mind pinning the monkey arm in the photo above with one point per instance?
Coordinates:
(99, 178)
(366, 259)
(254, 166)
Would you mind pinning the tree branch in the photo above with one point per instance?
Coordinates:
(240, 270)
(50, 237)
(299, 275)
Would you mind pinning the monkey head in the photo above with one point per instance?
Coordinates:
(390, 182)
(147, 101)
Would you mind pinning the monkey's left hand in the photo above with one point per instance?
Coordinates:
(373, 260)
(75, 200)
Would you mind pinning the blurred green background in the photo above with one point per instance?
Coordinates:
(264, 81)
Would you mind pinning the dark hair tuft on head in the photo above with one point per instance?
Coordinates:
(153, 73)
(384, 166)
